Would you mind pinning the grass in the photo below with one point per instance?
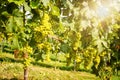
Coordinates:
(15, 71)
(11, 69)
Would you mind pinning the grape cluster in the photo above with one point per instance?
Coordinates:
(27, 49)
(89, 55)
(76, 44)
(78, 59)
(44, 29)
(103, 53)
(96, 61)
(10, 36)
(74, 38)
(67, 55)
(1, 37)
(26, 62)
(25, 52)
(46, 47)
(41, 35)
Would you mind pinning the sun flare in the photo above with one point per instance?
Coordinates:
(102, 11)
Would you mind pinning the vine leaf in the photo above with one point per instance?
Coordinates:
(105, 44)
(15, 44)
(5, 13)
(27, 8)
(55, 11)
(9, 27)
(18, 2)
(100, 45)
(45, 2)
(34, 4)
(65, 48)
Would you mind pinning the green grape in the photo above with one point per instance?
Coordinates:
(26, 62)
(94, 52)
(67, 55)
(10, 34)
(38, 29)
(10, 39)
(76, 45)
(47, 56)
(96, 61)
(88, 64)
(41, 35)
(90, 57)
(46, 17)
(1, 36)
(47, 47)
(45, 28)
(74, 38)
(78, 36)
(28, 49)
(103, 53)
(78, 59)
(40, 46)
(90, 52)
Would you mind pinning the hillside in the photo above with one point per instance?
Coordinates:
(11, 69)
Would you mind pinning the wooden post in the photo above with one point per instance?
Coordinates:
(26, 73)
(16, 52)
(25, 56)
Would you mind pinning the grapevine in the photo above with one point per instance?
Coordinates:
(96, 61)
(41, 34)
(89, 55)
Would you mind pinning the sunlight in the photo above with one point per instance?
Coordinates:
(104, 8)
(102, 11)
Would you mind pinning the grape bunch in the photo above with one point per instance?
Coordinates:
(89, 55)
(41, 34)
(45, 29)
(46, 47)
(74, 38)
(27, 62)
(27, 49)
(1, 36)
(78, 59)
(96, 61)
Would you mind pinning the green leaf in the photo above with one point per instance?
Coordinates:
(70, 4)
(5, 13)
(15, 44)
(17, 13)
(61, 27)
(45, 2)
(19, 21)
(27, 8)
(12, 25)
(18, 2)
(65, 48)
(9, 27)
(105, 44)
(99, 45)
(34, 4)
(55, 11)
(95, 34)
